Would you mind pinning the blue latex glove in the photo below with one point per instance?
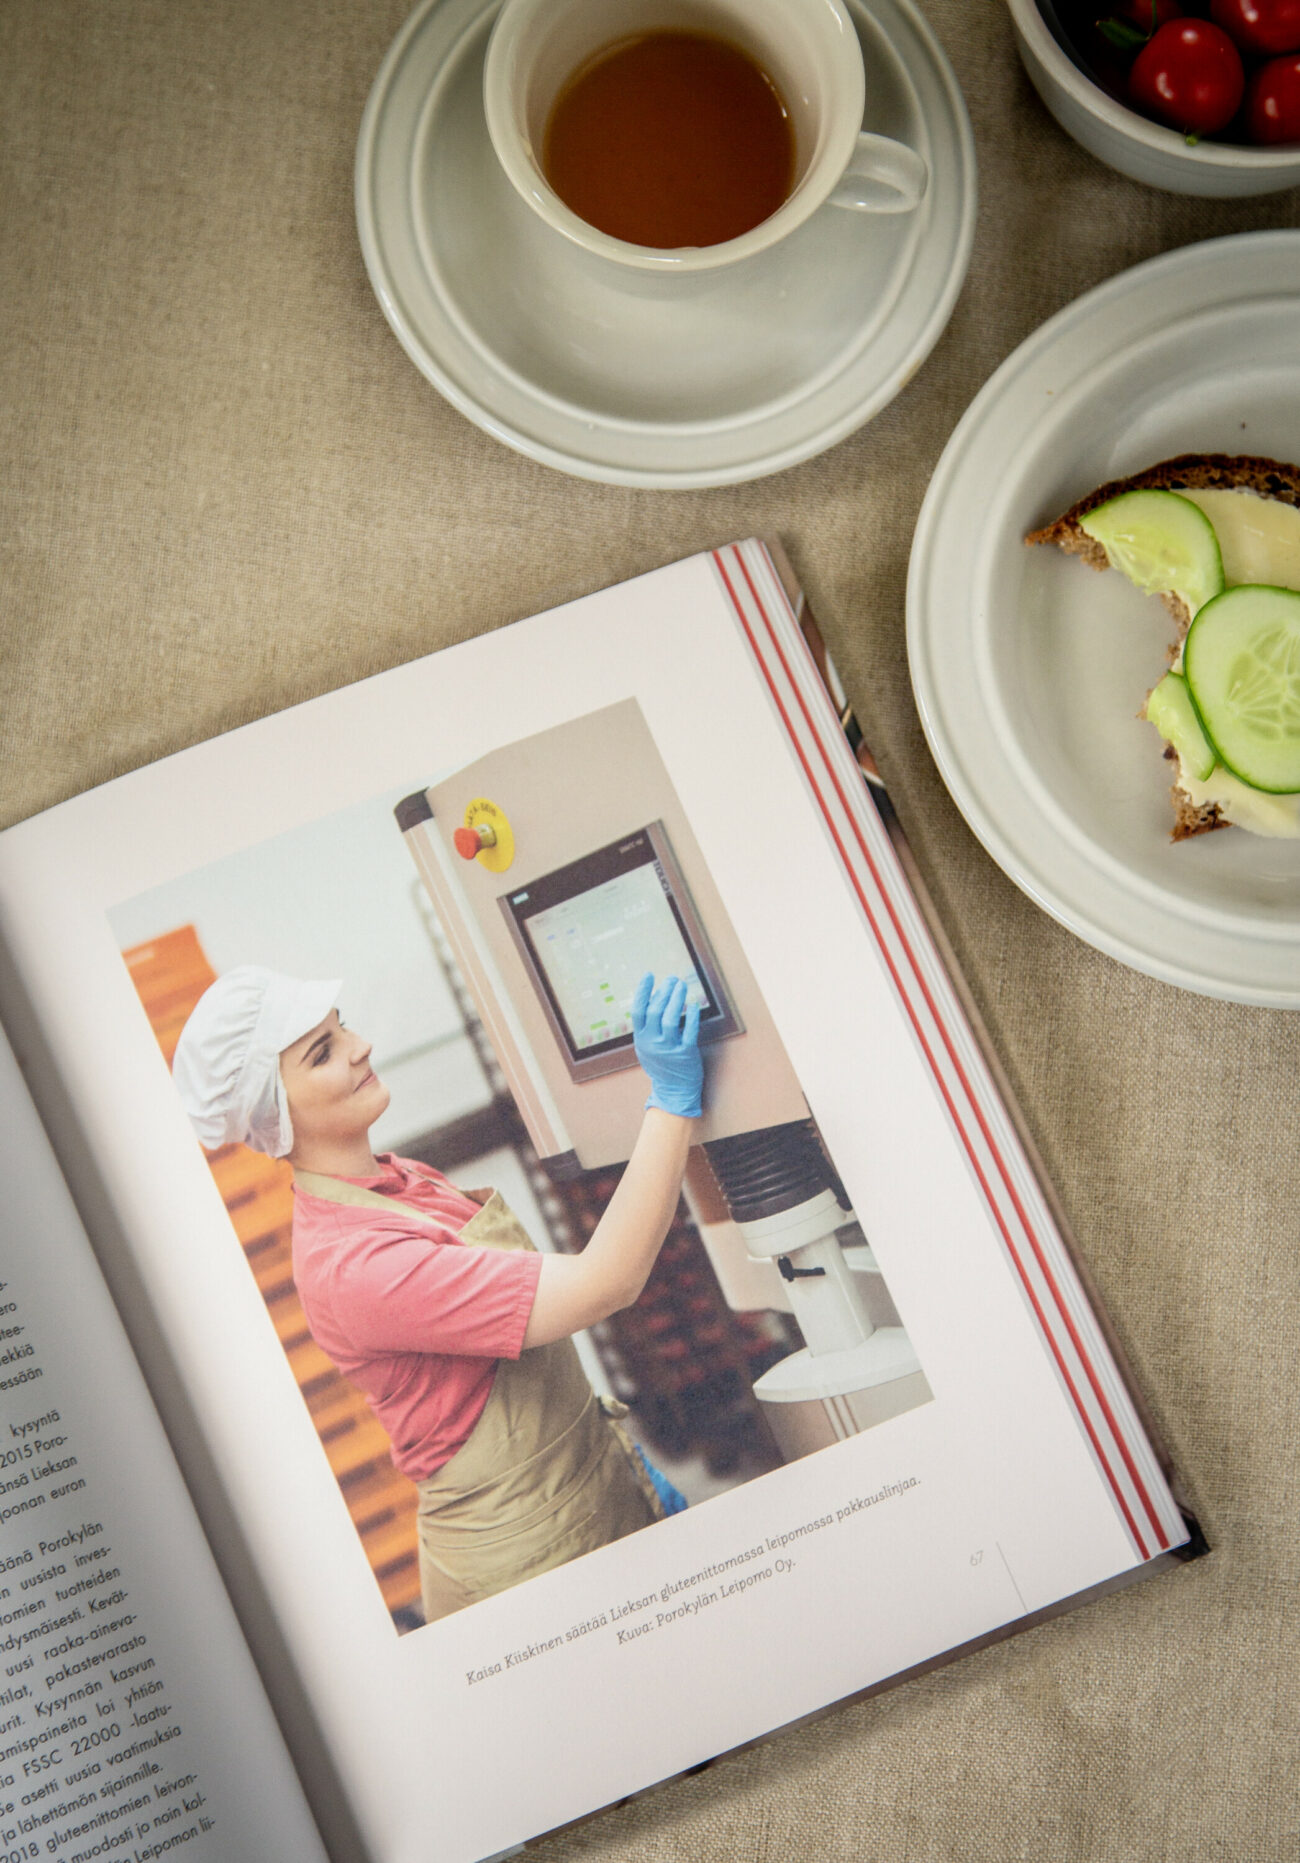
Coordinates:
(667, 1046)
(673, 1500)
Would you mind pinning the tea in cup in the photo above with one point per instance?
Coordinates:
(681, 135)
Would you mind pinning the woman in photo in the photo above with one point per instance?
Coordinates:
(432, 1300)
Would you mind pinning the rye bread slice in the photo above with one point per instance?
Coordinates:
(1268, 478)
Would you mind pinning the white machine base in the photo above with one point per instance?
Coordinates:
(802, 1428)
(810, 1401)
(886, 1355)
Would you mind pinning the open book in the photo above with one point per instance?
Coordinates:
(865, 1357)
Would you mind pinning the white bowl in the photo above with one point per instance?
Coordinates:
(1131, 143)
(1028, 669)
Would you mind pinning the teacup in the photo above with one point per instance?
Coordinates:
(808, 49)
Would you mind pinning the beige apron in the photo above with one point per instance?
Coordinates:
(545, 1474)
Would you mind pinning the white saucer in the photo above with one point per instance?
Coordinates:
(1029, 668)
(676, 383)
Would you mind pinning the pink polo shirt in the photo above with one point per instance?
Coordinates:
(410, 1314)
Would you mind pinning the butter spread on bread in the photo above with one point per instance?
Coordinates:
(1253, 505)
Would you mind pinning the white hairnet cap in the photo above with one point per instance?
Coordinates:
(227, 1062)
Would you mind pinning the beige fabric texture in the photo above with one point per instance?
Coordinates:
(225, 489)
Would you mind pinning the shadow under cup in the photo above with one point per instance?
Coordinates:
(808, 48)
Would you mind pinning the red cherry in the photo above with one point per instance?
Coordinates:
(1189, 76)
(1265, 27)
(1147, 15)
(1273, 102)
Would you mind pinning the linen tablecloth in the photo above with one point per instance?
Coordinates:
(225, 489)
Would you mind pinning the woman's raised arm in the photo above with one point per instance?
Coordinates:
(574, 1291)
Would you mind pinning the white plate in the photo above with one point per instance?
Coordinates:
(1029, 668)
(676, 383)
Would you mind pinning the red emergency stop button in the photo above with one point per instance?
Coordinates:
(470, 842)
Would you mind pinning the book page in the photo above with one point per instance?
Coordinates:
(132, 1721)
(882, 1396)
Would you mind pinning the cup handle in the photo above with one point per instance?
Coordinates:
(883, 176)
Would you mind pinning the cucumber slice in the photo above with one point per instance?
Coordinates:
(1242, 662)
(1170, 710)
(1161, 542)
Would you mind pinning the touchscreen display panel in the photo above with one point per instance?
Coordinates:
(591, 930)
(596, 947)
